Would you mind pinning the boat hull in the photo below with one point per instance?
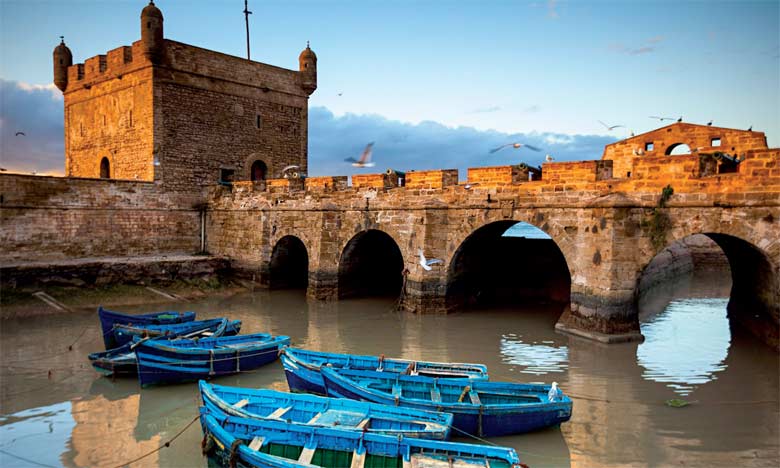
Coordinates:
(311, 410)
(166, 361)
(483, 420)
(124, 334)
(110, 318)
(302, 368)
(291, 445)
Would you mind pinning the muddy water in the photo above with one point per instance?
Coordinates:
(73, 417)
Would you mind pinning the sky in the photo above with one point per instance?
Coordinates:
(435, 83)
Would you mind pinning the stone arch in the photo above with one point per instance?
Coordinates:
(105, 168)
(371, 264)
(488, 268)
(676, 149)
(754, 300)
(258, 170)
(289, 265)
(249, 165)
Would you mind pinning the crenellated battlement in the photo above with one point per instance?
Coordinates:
(112, 65)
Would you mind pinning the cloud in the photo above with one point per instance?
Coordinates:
(485, 110)
(430, 145)
(37, 111)
(649, 45)
(532, 109)
(552, 9)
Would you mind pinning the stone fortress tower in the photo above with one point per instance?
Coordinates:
(180, 115)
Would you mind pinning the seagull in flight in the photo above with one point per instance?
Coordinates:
(365, 158)
(20, 133)
(425, 263)
(664, 118)
(610, 127)
(289, 168)
(516, 146)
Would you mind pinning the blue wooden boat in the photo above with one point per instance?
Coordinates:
(121, 362)
(302, 368)
(325, 412)
(181, 360)
(480, 408)
(109, 318)
(124, 334)
(257, 443)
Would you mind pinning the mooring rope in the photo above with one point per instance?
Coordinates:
(487, 442)
(167, 444)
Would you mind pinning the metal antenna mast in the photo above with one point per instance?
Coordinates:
(246, 17)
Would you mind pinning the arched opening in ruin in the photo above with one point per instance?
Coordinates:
(289, 268)
(678, 149)
(508, 264)
(105, 169)
(713, 278)
(370, 265)
(259, 171)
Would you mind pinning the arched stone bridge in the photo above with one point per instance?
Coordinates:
(605, 230)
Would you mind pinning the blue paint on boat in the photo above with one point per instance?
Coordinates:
(480, 408)
(302, 368)
(124, 334)
(110, 318)
(283, 445)
(325, 412)
(183, 360)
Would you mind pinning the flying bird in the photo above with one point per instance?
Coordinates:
(468, 186)
(365, 158)
(425, 263)
(289, 168)
(663, 118)
(340, 94)
(516, 146)
(549, 158)
(20, 133)
(610, 127)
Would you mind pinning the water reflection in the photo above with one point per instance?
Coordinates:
(619, 417)
(687, 344)
(534, 358)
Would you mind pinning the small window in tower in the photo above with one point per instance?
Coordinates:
(104, 119)
(148, 25)
(649, 146)
(60, 61)
(105, 169)
(81, 128)
(130, 118)
(715, 142)
(258, 121)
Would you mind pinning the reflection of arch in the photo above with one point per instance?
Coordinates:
(677, 149)
(371, 264)
(258, 171)
(489, 268)
(754, 296)
(289, 266)
(105, 168)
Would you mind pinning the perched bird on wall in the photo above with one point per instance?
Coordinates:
(680, 119)
(709, 124)
(2, 169)
(516, 146)
(365, 158)
(425, 263)
(750, 129)
(20, 134)
(610, 127)
(549, 158)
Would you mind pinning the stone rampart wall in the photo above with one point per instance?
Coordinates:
(54, 218)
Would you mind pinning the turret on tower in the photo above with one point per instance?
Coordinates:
(307, 62)
(152, 32)
(62, 60)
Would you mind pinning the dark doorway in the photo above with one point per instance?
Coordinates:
(259, 171)
(371, 265)
(507, 263)
(289, 267)
(105, 169)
